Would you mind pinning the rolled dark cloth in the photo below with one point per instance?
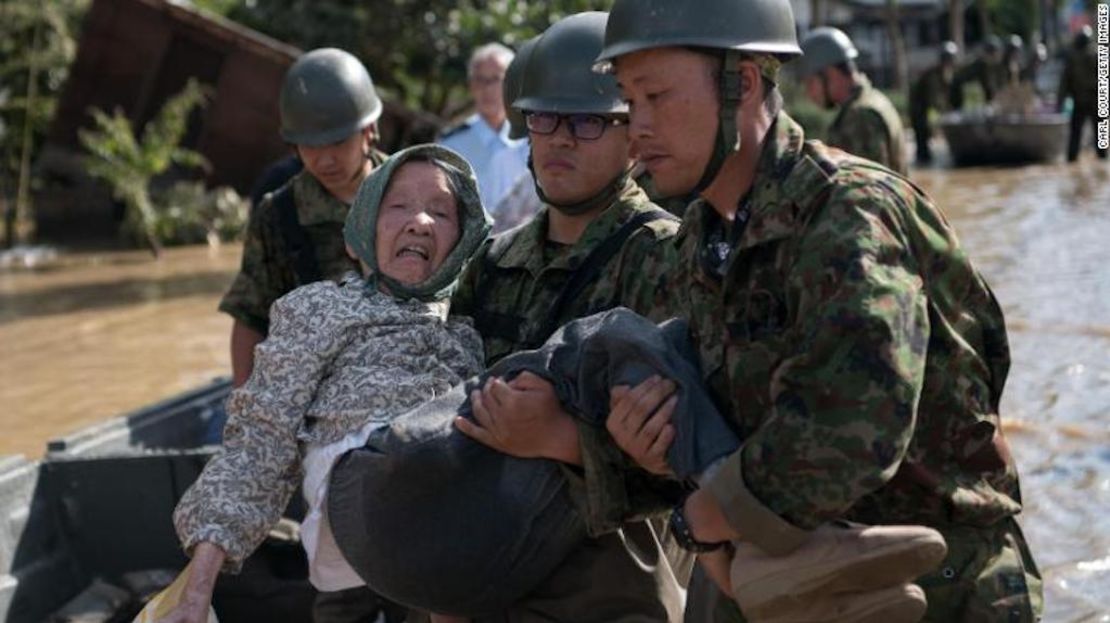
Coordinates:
(434, 520)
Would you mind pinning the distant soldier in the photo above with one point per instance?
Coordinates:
(329, 109)
(1079, 82)
(987, 70)
(867, 125)
(1038, 56)
(1012, 60)
(930, 92)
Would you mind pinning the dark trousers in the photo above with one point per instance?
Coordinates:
(1079, 118)
(922, 132)
(355, 605)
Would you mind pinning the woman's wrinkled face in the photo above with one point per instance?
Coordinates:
(418, 223)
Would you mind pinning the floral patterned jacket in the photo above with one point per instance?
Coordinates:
(336, 359)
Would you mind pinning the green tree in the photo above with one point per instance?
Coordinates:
(415, 49)
(37, 44)
(128, 165)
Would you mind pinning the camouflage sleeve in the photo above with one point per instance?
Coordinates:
(254, 288)
(862, 133)
(610, 489)
(244, 489)
(844, 403)
(462, 300)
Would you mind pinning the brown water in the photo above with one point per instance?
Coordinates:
(102, 334)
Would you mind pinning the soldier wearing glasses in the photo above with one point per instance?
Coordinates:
(583, 252)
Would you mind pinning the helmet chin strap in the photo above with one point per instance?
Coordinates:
(727, 142)
(601, 199)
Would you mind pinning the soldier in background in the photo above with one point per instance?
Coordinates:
(329, 110)
(1079, 81)
(1038, 56)
(1013, 60)
(584, 252)
(867, 124)
(930, 92)
(986, 69)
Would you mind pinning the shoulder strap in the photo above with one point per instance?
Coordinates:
(301, 253)
(591, 268)
(489, 323)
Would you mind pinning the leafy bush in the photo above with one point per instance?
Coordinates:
(187, 213)
(128, 165)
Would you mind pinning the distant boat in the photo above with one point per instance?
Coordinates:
(977, 137)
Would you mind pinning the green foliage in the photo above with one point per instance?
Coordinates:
(1020, 17)
(37, 44)
(129, 165)
(416, 49)
(187, 213)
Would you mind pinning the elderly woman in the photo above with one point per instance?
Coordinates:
(341, 360)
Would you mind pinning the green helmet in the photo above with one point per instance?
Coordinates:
(1014, 44)
(992, 44)
(327, 96)
(510, 88)
(735, 27)
(949, 51)
(559, 76)
(825, 47)
(755, 26)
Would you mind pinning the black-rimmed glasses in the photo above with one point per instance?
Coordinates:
(583, 126)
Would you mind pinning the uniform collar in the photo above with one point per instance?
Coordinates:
(525, 251)
(787, 179)
(315, 205)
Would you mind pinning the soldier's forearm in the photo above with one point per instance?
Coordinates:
(243, 341)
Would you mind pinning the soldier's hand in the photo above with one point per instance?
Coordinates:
(522, 418)
(640, 422)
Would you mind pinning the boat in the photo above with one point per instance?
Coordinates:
(981, 137)
(88, 535)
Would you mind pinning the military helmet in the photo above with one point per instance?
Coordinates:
(755, 26)
(949, 50)
(510, 88)
(327, 96)
(559, 76)
(1083, 37)
(1014, 44)
(993, 43)
(825, 47)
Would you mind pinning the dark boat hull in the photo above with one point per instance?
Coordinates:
(1010, 139)
(99, 507)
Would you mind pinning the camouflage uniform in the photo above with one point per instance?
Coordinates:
(266, 272)
(869, 126)
(861, 358)
(929, 92)
(621, 576)
(990, 75)
(1079, 82)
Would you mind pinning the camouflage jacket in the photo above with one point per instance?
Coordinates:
(336, 360)
(266, 272)
(510, 298)
(1079, 79)
(991, 77)
(930, 91)
(856, 350)
(869, 126)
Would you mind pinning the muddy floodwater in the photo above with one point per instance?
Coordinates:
(95, 335)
